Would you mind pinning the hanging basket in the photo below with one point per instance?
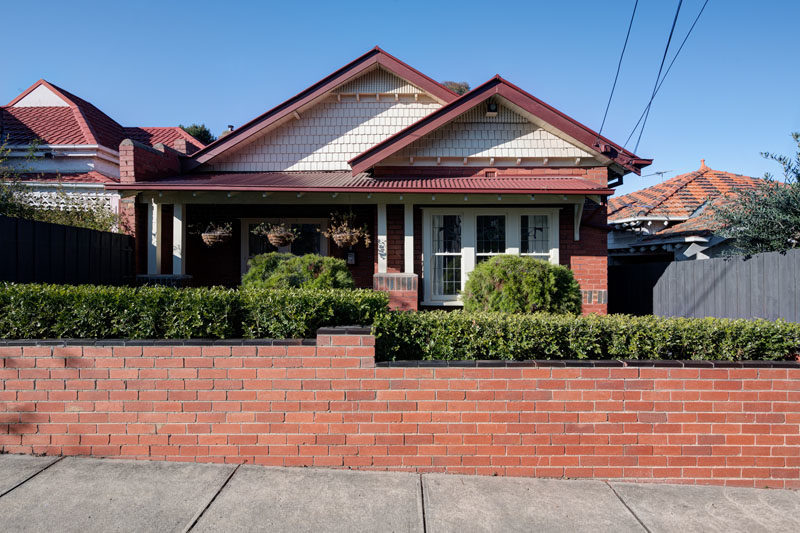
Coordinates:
(213, 238)
(280, 238)
(346, 239)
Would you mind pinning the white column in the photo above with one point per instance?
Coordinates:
(382, 238)
(178, 239)
(408, 239)
(154, 237)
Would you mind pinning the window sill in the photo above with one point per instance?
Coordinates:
(442, 303)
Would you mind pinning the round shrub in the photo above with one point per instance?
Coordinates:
(283, 271)
(513, 284)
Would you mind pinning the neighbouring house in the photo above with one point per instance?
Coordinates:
(672, 221)
(442, 182)
(76, 145)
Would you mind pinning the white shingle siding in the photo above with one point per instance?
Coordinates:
(328, 135)
(378, 81)
(508, 135)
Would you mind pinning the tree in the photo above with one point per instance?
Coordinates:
(767, 217)
(458, 87)
(199, 132)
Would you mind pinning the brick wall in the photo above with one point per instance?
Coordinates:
(327, 404)
(139, 162)
(587, 257)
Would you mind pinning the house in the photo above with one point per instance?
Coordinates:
(672, 221)
(77, 145)
(442, 181)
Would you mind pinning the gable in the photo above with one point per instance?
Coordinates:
(349, 120)
(508, 138)
(41, 96)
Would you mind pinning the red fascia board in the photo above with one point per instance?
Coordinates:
(330, 82)
(513, 94)
(155, 186)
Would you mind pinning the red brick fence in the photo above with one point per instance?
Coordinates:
(326, 403)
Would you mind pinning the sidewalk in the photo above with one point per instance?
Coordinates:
(81, 494)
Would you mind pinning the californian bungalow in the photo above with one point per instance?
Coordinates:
(440, 181)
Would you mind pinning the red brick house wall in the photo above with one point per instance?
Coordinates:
(287, 404)
(587, 257)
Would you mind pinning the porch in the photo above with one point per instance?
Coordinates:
(453, 231)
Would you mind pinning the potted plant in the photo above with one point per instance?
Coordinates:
(278, 234)
(217, 233)
(344, 232)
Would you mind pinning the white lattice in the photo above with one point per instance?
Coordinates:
(50, 198)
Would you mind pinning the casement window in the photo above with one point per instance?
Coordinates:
(455, 240)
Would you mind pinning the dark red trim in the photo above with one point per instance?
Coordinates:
(351, 70)
(406, 190)
(513, 94)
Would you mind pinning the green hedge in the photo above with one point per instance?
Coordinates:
(283, 271)
(102, 312)
(460, 335)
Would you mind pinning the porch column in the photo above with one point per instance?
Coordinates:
(408, 238)
(382, 238)
(178, 239)
(154, 237)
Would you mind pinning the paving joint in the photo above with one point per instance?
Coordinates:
(422, 502)
(45, 467)
(202, 511)
(623, 502)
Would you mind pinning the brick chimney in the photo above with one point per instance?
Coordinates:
(180, 145)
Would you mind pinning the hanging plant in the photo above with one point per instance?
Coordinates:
(217, 233)
(344, 232)
(278, 234)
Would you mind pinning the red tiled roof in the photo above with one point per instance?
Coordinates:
(53, 125)
(76, 177)
(345, 181)
(678, 197)
(79, 123)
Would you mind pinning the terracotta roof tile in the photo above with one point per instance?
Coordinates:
(79, 123)
(67, 177)
(678, 197)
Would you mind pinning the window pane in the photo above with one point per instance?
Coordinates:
(446, 234)
(308, 239)
(446, 274)
(491, 234)
(535, 235)
(258, 244)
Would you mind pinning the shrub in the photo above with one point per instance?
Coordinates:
(283, 271)
(514, 284)
(102, 312)
(462, 335)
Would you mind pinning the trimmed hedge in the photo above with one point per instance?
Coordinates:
(460, 335)
(103, 312)
(519, 284)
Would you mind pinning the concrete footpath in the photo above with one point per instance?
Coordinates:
(82, 494)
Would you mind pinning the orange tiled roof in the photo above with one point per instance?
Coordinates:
(678, 197)
(79, 123)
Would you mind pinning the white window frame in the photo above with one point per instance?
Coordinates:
(469, 241)
(245, 240)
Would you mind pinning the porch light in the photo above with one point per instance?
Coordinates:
(533, 197)
(466, 197)
(499, 197)
(491, 108)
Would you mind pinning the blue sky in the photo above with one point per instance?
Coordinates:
(731, 94)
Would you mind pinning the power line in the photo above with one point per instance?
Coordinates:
(619, 64)
(658, 76)
(686, 38)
